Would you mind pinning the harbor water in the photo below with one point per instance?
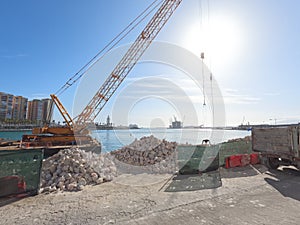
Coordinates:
(13, 135)
(115, 139)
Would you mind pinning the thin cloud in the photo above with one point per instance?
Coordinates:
(233, 96)
(272, 94)
(20, 55)
(288, 120)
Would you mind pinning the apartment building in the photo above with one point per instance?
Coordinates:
(39, 111)
(6, 106)
(18, 109)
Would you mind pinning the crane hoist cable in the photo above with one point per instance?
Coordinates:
(202, 53)
(203, 77)
(143, 15)
(209, 58)
(210, 63)
(212, 96)
(126, 64)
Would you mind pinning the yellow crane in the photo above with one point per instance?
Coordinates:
(76, 130)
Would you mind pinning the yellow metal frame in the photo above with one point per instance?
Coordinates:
(63, 111)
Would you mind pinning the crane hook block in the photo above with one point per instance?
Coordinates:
(202, 55)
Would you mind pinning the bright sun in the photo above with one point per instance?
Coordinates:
(220, 40)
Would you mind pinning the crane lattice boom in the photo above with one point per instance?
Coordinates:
(128, 61)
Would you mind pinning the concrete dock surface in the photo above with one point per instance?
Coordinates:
(248, 195)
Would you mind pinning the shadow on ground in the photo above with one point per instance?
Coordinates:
(247, 171)
(193, 182)
(212, 179)
(13, 198)
(286, 180)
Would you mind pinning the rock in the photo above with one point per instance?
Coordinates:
(94, 176)
(52, 189)
(147, 152)
(52, 168)
(80, 187)
(48, 177)
(67, 176)
(46, 189)
(65, 168)
(82, 181)
(99, 180)
(72, 169)
(72, 187)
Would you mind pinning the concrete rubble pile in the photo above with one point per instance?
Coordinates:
(149, 154)
(246, 139)
(72, 169)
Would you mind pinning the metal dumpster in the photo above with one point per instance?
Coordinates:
(234, 148)
(20, 171)
(193, 159)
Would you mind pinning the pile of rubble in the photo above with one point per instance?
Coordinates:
(148, 154)
(246, 139)
(72, 169)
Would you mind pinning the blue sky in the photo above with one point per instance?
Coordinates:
(251, 46)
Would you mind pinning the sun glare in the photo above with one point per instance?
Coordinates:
(220, 40)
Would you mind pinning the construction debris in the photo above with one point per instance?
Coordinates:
(148, 154)
(246, 139)
(72, 169)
